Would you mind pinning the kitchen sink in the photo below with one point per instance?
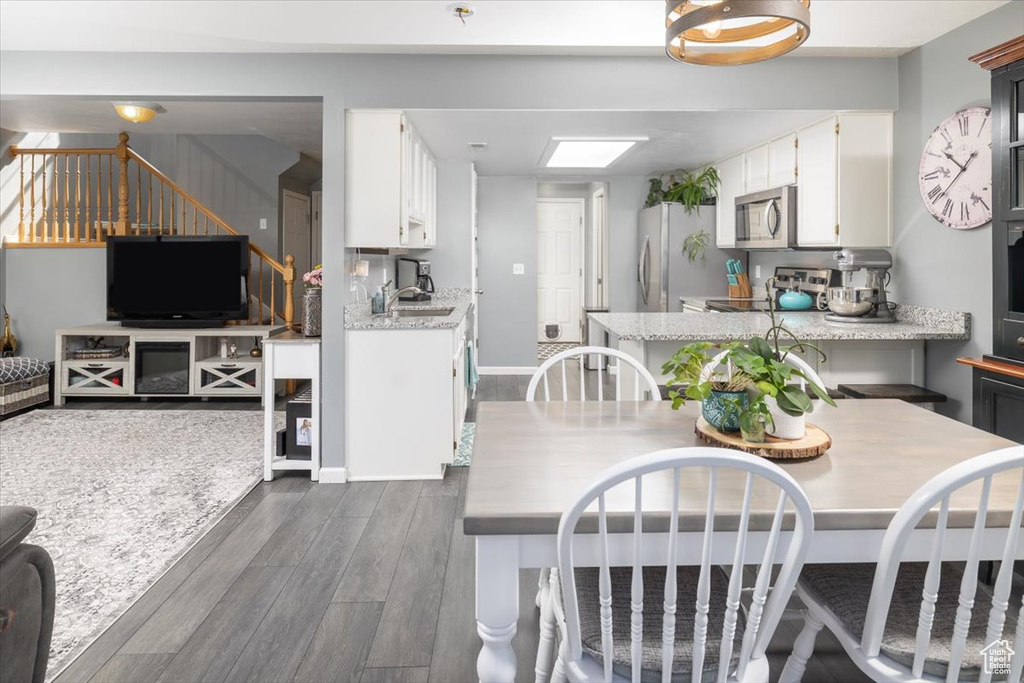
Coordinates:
(423, 312)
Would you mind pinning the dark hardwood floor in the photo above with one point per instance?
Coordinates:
(360, 582)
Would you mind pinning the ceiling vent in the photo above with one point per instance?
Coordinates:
(477, 146)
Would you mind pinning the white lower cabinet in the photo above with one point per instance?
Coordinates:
(406, 401)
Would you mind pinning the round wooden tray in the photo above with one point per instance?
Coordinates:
(815, 442)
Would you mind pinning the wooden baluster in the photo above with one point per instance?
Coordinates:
(273, 297)
(161, 219)
(110, 195)
(46, 227)
(149, 205)
(32, 203)
(78, 197)
(124, 223)
(184, 220)
(54, 212)
(195, 220)
(21, 196)
(67, 194)
(88, 195)
(251, 275)
(206, 224)
(172, 212)
(261, 292)
(289, 283)
(138, 199)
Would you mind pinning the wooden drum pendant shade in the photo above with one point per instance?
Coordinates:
(713, 32)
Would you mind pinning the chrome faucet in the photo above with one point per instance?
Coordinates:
(394, 297)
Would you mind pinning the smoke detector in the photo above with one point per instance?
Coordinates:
(477, 146)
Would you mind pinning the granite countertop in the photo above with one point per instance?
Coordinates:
(358, 316)
(912, 322)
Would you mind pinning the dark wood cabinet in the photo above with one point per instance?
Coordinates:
(999, 404)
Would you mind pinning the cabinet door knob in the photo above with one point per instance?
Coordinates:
(1020, 341)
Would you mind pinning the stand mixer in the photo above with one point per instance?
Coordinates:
(867, 304)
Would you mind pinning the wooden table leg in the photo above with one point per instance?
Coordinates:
(497, 606)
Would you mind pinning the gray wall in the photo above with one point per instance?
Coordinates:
(451, 259)
(444, 82)
(939, 266)
(49, 289)
(508, 234)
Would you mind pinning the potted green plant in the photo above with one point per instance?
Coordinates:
(717, 390)
(655, 193)
(694, 189)
(763, 360)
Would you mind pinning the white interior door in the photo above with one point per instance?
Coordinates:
(559, 266)
(297, 240)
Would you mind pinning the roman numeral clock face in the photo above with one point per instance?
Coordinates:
(955, 176)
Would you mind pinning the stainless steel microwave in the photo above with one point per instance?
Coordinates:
(767, 220)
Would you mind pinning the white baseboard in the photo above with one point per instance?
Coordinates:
(398, 477)
(333, 475)
(507, 370)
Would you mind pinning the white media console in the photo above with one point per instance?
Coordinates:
(159, 362)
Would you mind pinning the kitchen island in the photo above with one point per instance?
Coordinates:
(406, 392)
(856, 353)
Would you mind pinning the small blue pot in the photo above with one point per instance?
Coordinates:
(717, 412)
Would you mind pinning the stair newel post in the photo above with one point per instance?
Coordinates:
(289, 282)
(123, 223)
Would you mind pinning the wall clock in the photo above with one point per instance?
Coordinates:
(955, 176)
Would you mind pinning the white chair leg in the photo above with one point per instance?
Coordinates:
(803, 648)
(546, 644)
(542, 586)
(558, 674)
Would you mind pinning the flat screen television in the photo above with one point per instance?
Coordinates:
(164, 281)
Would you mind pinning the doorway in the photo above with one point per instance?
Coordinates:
(559, 269)
(296, 237)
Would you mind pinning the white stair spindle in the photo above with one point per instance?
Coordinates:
(668, 632)
(700, 620)
(636, 626)
(930, 592)
(605, 591)
(732, 600)
(1001, 591)
(968, 588)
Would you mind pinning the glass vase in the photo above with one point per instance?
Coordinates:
(753, 427)
(312, 306)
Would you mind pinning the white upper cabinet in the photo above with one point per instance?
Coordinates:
(782, 161)
(755, 173)
(390, 183)
(732, 184)
(844, 182)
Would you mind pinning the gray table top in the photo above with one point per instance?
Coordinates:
(531, 460)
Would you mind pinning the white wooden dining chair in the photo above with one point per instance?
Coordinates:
(644, 387)
(905, 621)
(643, 381)
(636, 622)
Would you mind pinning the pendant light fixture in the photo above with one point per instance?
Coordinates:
(731, 32)
(137, 112)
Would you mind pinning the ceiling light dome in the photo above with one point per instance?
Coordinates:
(731, 32)
(138, 112)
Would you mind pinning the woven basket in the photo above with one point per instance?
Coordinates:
(22, 393)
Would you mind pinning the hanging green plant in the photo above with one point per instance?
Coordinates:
(695, 245)
(694, 189)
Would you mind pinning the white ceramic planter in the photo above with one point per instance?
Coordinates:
(786, 425)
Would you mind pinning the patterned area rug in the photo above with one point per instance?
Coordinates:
(547, 349)
(121, 495)
(464, 456)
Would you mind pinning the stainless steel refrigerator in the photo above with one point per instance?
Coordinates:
(664, 271)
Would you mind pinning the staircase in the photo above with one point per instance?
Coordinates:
(77, 197)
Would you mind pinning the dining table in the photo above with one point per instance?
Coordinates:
(532, 460)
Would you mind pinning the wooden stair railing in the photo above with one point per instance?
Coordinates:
(69, 200)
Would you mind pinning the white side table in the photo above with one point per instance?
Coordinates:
(290, 356)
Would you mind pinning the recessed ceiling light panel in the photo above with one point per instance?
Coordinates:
(563, 152)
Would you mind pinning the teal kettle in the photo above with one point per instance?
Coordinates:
(795, 301)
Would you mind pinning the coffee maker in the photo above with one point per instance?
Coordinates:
(861, 304)
(414, 273)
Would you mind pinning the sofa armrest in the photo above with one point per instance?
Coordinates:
(16, 521)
